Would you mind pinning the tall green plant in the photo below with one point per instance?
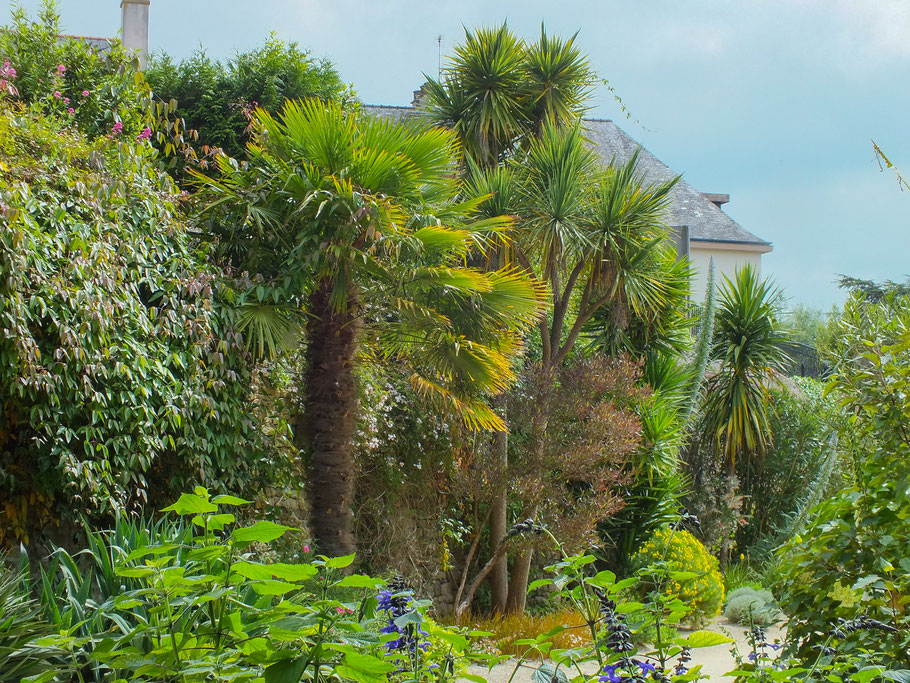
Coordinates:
(703, 347)
(747, 341)
(121, 376)
(850, 558)
(353, 222)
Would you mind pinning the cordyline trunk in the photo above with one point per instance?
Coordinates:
(521, 567)
(499, 523)
(329, 417)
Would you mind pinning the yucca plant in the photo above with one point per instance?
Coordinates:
(747, 340)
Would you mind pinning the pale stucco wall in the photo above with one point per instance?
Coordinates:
(726, 261)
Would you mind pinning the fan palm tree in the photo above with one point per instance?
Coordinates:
(353, 223)
(747, 340)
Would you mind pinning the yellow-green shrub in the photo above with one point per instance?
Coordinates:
(702, 593)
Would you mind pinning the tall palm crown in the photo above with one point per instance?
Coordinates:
(348, 220)
(593, 238)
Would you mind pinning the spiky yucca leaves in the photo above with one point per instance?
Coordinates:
(747, 339)
(498, 91)
(702, 347)
(354, 222)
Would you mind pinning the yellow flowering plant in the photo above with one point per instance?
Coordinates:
(678, 566)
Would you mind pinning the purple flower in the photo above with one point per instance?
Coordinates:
(646, 667)
(775, 646)
(66, 100)
(85, 93)
(145, 134)
(70, 111)
(57, 94)
(117, 128)
(752, 656)
(609, 674)
(61, 69)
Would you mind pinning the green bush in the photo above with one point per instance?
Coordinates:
(121, 375)
(194, 602)
(214, 98)
(746, 605)
(698, 582)
(850, 558)
(73, 80)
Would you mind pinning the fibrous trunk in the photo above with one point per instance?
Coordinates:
(499, 575)
(330, 411)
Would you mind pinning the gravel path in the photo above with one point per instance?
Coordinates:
(715, 661)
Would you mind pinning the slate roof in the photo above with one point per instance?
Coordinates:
(688, 207)
(706, 221)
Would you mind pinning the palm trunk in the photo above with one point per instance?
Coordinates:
(330, 411)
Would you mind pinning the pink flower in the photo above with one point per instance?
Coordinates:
(71, 110)
(85, 93)
(61, 69)
(117, 128)
(145, 134)
(66, 100)
(306, 548)
(57, 94)
(343, 610)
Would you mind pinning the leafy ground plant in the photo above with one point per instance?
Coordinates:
(597, 599)
(203, 608)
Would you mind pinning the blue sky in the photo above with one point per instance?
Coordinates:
(772, 101)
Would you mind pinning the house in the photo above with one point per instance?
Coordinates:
(703, 231)
(702, 228)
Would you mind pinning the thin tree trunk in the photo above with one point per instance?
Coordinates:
(330, 411)
(521, 567)
(499, 523)
(518, 586)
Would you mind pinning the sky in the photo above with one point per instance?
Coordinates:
(772, 101)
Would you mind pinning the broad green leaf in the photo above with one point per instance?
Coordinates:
(260, 532)
(287, 671)
(899, 675)
(214, 522)
(410, 617)
(368, 663)
(361, 581)
(603, 579)
(339, 562)
(272, 587)
(867, 673)
(190, 504)
(534, 585)
(703, 639)
(230, 500)
(547, 673)
(279, 570)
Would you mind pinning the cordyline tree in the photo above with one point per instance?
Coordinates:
(584, 233)
(353, 224)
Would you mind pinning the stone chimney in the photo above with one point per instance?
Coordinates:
(716, 198)
(135, 28)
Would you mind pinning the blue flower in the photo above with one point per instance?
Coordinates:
(609, 674)
(752, 657)
(646, 667)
